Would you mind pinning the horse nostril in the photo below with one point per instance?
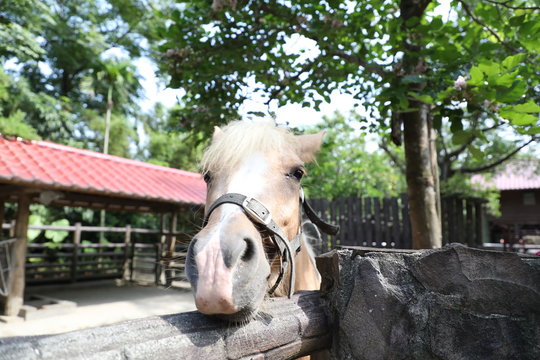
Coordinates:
(249, 251)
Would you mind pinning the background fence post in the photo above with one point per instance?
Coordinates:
(75, 257)
(127, 248)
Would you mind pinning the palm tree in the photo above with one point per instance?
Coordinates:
(119, 80)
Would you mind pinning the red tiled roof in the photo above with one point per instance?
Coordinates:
(48, 165)
(518, 175)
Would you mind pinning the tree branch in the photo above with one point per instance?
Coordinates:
(484, 25)
(464, 146)
(505, 4)
(393, 157)
(495, 163)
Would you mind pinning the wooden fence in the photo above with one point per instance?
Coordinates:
(372, 222)
(385, 223)
(135, 258)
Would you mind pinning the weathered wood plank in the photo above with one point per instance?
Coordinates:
(286, 329)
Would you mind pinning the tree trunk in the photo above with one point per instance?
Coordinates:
(15, 297)
(421, 183)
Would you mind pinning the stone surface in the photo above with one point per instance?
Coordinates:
(450, 303)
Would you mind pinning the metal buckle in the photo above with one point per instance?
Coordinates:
(262, 218)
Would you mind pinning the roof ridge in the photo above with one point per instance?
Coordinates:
(108, 157)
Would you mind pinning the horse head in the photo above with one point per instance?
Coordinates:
(253, 173)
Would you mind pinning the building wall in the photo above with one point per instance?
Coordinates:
(520, 207)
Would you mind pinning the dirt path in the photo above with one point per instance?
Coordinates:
(101, 303)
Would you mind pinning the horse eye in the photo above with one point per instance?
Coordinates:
(298, 174)
(207, 178)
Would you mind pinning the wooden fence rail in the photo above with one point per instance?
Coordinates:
(287, 328)
(78, 260)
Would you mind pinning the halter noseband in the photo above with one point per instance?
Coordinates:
(260, 215)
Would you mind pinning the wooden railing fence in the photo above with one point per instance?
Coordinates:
(384, 222)
(75, 260)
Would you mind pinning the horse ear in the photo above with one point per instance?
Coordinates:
(217, 133)
(308, 145)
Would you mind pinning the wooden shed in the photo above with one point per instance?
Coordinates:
(59, 175)
(519, 185)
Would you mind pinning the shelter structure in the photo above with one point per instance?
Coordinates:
(519, 184)
(59, 175)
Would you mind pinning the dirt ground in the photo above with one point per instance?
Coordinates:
(100, 303)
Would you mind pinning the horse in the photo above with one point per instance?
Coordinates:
(251, 244)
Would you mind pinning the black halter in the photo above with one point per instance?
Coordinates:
(260, 215)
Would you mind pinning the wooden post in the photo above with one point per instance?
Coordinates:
(479, 214)
(75, 255)
(360, 232)
(132, 260)
(127, 262)
(12, 229)
(406, 231)
(369, 225)
(470, 241)
(396, 224)
(15, 297)
(377, 221)
(158, 269)
(2, 208)
(169, 250)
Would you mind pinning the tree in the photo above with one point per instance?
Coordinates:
(53, 48)
(167, 144)
(345, 168)
(411, 69)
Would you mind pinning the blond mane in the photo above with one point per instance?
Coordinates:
(240, 139)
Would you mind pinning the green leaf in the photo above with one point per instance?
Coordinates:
(477, 76)
(512, 94)
(57, 236)
(408, 79)
(506, 80)
(33, 220)
(528, 107)
(422, 97)
(518, 118)
(514, 60)
(535, 130)
(476, 153)
(456, 125)
(256, 113)
(489, 68)
(460, 137)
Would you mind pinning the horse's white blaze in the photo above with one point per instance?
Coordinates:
(250, 178)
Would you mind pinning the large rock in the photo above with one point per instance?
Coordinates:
(450, 303)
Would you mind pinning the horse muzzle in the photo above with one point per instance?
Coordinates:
(227, 268)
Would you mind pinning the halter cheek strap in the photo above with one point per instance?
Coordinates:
(259, 214)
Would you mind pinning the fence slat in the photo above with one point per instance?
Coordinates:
(396, 223)
(368, 221)
(387, 223)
